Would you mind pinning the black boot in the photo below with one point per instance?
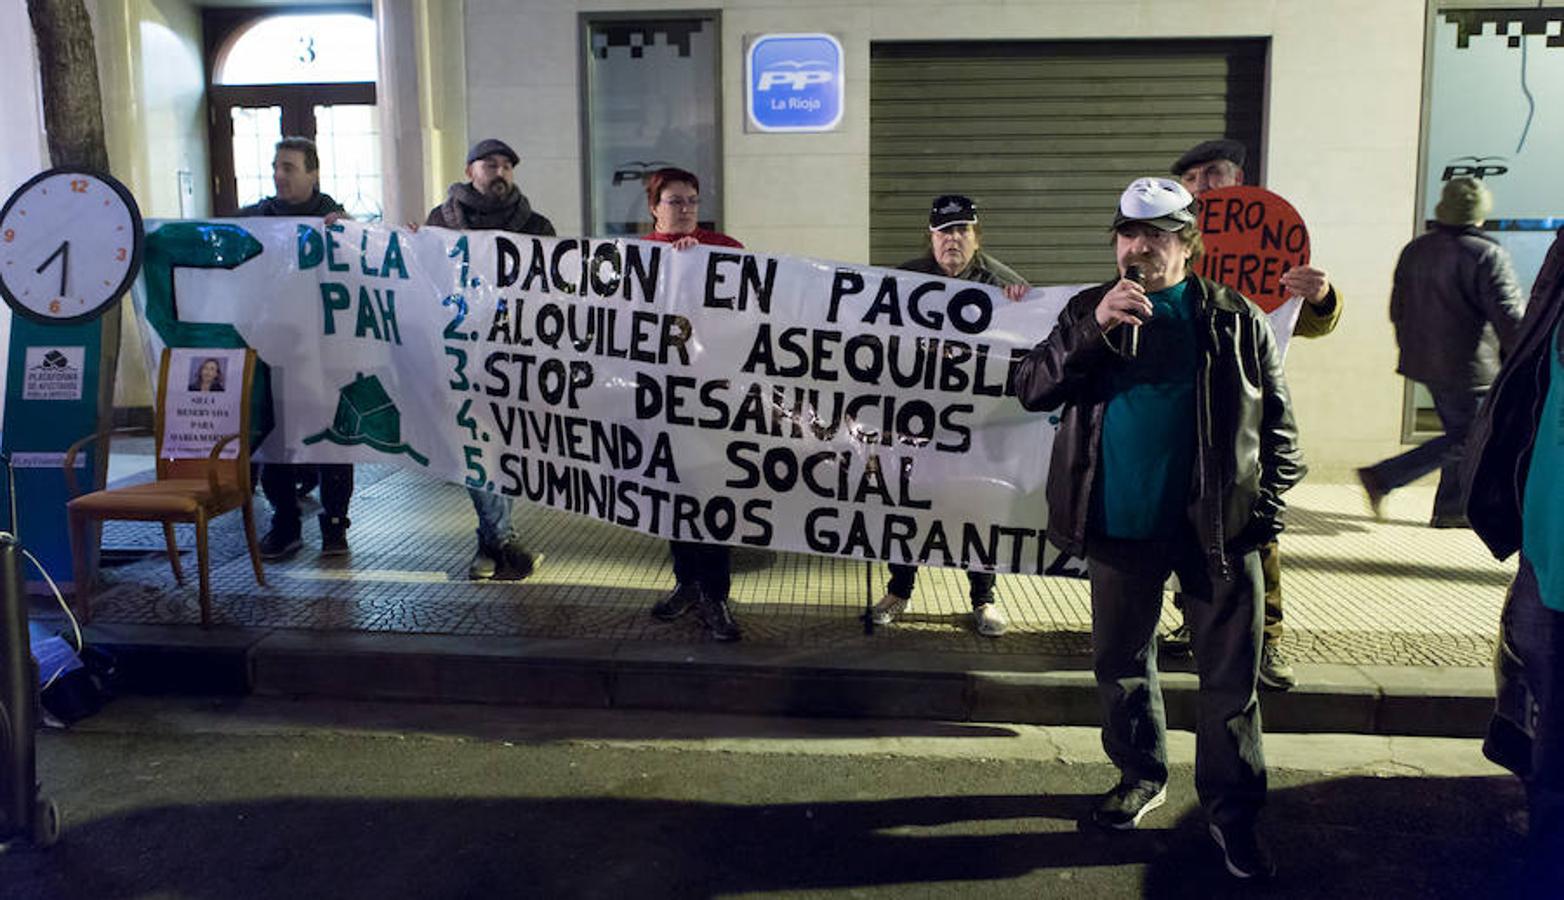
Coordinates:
(677, 603)
(334, 535)
(717, 616)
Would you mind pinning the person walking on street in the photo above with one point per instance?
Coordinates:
(1454, 298)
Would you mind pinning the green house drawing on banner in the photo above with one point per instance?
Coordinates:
(366, 415)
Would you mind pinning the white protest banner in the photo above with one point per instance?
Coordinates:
(703, 394)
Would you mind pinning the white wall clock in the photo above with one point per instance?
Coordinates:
(70, 244)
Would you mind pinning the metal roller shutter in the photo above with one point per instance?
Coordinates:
(1044, 136)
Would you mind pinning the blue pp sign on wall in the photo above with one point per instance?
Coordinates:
(794, 82)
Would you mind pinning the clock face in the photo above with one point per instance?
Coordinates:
(70, 244)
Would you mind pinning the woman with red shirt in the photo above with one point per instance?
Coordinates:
(702, 572)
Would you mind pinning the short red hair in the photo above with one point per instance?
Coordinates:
(663, 177)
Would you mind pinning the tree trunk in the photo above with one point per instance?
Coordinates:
(68, 66)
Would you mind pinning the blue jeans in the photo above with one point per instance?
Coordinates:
(494, 518)
(1457, 407)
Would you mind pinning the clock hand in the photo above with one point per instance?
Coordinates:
(64, 252)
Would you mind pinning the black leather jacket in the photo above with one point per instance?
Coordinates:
(1247, 453)
(1498, 453)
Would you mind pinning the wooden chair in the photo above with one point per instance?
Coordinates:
(188, 489)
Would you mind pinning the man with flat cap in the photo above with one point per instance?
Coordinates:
(955, 251)
(1205, 167)
(489, 199)
(1169, 459)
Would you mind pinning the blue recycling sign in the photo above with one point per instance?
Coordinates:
(794, 82)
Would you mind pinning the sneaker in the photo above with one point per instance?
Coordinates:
(1243, 853)
(1177, 643)
(1123, 807)
(334, 535)
(990, 620)
(717, 616)
(513, 563)
(280, 544)
(484, 563)
(889, 607)
(1275, 671)
(676, 603)
(1374, 491)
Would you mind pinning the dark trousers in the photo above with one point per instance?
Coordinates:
(1224, 616)
(1527, 733)
(280, 483)
(904, 580)
(709, 566)
(1457, 407)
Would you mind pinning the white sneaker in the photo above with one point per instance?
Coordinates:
(889, 607)
(990, 620)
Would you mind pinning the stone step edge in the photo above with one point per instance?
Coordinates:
(861, 680)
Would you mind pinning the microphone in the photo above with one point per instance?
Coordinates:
(1129, 344)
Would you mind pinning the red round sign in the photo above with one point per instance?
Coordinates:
(1252, 236)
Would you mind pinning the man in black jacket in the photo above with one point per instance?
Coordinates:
(1454, 292)
(489, 199)
(296, 176)
(1175, 444)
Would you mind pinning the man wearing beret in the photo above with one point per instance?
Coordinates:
(1173, 451)
(489, 199)
(1205, 167)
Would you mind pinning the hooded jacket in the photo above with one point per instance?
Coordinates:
(1247, 451)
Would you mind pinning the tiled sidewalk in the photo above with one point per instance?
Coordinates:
(1358, 591)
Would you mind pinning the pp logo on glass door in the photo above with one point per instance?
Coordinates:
(795, 82)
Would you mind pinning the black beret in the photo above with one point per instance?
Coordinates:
(1206, 151)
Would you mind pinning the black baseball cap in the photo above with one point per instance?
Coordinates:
(951, 209)
(489, 147)
(1207, 151)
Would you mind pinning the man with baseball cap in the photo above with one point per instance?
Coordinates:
(1172, 459)
(955, 251)
(489, 199)
(1218, 164)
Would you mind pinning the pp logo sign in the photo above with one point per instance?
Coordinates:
(794, 82)
(1475, 167)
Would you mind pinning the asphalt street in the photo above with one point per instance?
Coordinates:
(188, 798)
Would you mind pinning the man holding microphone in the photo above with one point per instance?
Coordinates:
(1170, 460)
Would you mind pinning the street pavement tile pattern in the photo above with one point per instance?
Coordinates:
(1357, 591)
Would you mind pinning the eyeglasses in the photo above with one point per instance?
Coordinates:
(682, 202)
